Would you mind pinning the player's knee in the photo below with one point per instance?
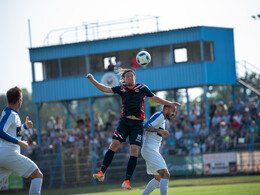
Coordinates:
(164, 173)
(36, 174)
(134, 150)
(40, 174)
(114, 145)
(161, 173)
(167, 174)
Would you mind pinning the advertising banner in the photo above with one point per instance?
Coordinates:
(184, 165)
(219, 163)
(248, 162)
(15, 182)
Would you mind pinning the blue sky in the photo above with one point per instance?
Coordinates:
(46, 15)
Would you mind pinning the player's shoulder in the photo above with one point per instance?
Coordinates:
(9, 113)
(157, 116)
(140, 86)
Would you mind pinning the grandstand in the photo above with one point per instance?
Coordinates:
(208, 139)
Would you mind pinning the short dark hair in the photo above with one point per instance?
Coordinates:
(13, 95)
(169, 106)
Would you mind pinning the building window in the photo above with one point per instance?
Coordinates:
(180, 55)
(73, 66)
(208, 51)
(51, 69)
(108, 60)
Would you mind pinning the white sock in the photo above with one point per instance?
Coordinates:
(150, 186)
(35, 187)
(164, 186)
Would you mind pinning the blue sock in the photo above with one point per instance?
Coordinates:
(107, 160)
(130, 167)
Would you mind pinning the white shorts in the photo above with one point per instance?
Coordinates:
(154, 161)
(15, 162)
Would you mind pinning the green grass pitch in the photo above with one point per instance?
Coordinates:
(230, 185)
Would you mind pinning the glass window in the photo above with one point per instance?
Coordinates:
(208, 51)
(180, 55)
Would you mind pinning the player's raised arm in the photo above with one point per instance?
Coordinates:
(98, 85)
(159, 100)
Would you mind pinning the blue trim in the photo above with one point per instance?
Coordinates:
(3, 134)
(10, 109)
(24, 126)
(153, 118)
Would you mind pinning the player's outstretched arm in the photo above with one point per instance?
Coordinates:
(161, 131)
(159, 100)
(98, 85)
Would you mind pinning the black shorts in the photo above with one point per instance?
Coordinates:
(129, 127)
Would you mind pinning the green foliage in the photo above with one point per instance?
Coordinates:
(3, 102)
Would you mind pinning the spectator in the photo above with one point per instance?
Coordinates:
(171, 142)
(32, 150)
(87, 122)
(239, 104)
(181, 115)
(195, 150)
(247, 121)
(210, 143)
(253, 111)
(221, 107)
(196, 109)
(202, 140)
(98, 122)
(46, 145)
(34, 135)
(223, 129)
(193, 117)
(202, 111)
(58, 124)
(251, 132)
(51, 124)
(203, 129)
(111, 118)
(178, 134)
(258, 120)
(111, 66)
(239, 117)
(257, 103)
(197, 126)
(235, 126)
(134, 63)
(216, 119)
(212, 109)
(226, 117)
(231, 109)
(232, 140)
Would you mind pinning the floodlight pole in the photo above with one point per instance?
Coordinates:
(29, 30)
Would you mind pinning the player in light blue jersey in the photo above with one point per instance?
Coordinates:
(10, 143)
(155, 164)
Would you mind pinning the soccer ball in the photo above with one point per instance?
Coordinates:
(143, 58)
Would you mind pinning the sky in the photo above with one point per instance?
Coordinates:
(46, 15)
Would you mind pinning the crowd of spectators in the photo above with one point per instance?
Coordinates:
(229, 125)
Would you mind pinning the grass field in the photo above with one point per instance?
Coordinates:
(242, 185)
(243, 189)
